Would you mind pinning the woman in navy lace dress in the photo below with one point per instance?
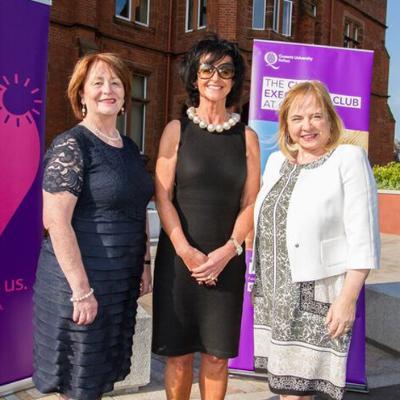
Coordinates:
(94, 264)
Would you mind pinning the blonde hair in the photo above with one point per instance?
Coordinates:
(79, 75)
(319, 91)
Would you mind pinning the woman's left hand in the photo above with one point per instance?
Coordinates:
(209, 271)
(145, 282)
(340, 317)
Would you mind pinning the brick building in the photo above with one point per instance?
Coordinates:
(152, 35)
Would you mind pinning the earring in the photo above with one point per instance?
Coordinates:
(287, 138)
(84, 110)
(122, 110)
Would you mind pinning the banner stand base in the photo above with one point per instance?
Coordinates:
(357, 387)
(245, 372)
(16, 386)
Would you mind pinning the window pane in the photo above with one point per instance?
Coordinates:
(314, 10)
(189, 15)
(347, 29)
(287, 18)
(121, 124)
(141, 12)
(137, 123)
(275, 23)
(356, 33)
(122, 8)
(139, 87)
(258, 14)
(202, 13)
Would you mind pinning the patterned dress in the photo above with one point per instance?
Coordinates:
(291, 340)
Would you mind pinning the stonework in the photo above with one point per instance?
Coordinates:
(155, 51)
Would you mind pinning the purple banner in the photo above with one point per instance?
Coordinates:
(277, 66)
(347, 73)
(245, 359)
(24, 28)
(356, 373)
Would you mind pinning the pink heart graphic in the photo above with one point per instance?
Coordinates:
(19, 145)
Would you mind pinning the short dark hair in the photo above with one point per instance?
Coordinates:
(217, 48)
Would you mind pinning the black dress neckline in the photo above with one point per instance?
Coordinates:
(88, 131)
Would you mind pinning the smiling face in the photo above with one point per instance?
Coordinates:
(308, 125)
(103, 92)
(215, 88)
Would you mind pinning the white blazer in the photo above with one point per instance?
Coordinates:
(332, 219)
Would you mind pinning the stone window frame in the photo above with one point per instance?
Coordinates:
(281, 10)
(288, 31)
(194, 14)
(263, 7)
(124, 122)
(353, 33)
(132, 5)
(189, 15)
(278, 19)
(201, 13)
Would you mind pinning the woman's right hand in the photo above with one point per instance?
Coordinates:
(193, 257)
(85, 311)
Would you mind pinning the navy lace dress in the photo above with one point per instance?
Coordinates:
(113, 189)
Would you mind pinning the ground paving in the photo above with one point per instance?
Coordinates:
(383, 368)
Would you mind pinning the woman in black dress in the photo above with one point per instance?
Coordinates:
(207, 179)
(91, 268)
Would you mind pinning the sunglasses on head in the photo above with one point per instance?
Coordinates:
(224, 71)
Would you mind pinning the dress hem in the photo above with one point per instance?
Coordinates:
(182, 352)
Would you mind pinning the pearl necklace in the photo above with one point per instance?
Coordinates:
(99, 133)
(232, 121)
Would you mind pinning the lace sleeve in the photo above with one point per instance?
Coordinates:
(63, 166)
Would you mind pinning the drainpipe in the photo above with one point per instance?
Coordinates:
(331, 24)
(167, 80)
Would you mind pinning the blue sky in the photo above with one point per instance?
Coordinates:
(393, 47)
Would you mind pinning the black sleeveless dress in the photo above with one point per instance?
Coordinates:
(210, 177)
(113, 189)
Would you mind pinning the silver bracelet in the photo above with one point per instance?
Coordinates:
(84, 297)
(238, 247)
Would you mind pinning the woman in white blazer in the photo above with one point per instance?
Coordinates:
(316, 239)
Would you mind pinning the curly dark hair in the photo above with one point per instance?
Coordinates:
(216, 49)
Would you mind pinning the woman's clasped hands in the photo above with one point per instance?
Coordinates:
(208, 271)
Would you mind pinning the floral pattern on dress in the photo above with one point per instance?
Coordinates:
(63, 166)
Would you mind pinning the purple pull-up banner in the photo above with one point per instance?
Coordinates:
(347, 73)
(24, 28)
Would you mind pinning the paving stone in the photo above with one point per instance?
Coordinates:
(11, 397)
(34, 393)
(141, 353)
(382, 314)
